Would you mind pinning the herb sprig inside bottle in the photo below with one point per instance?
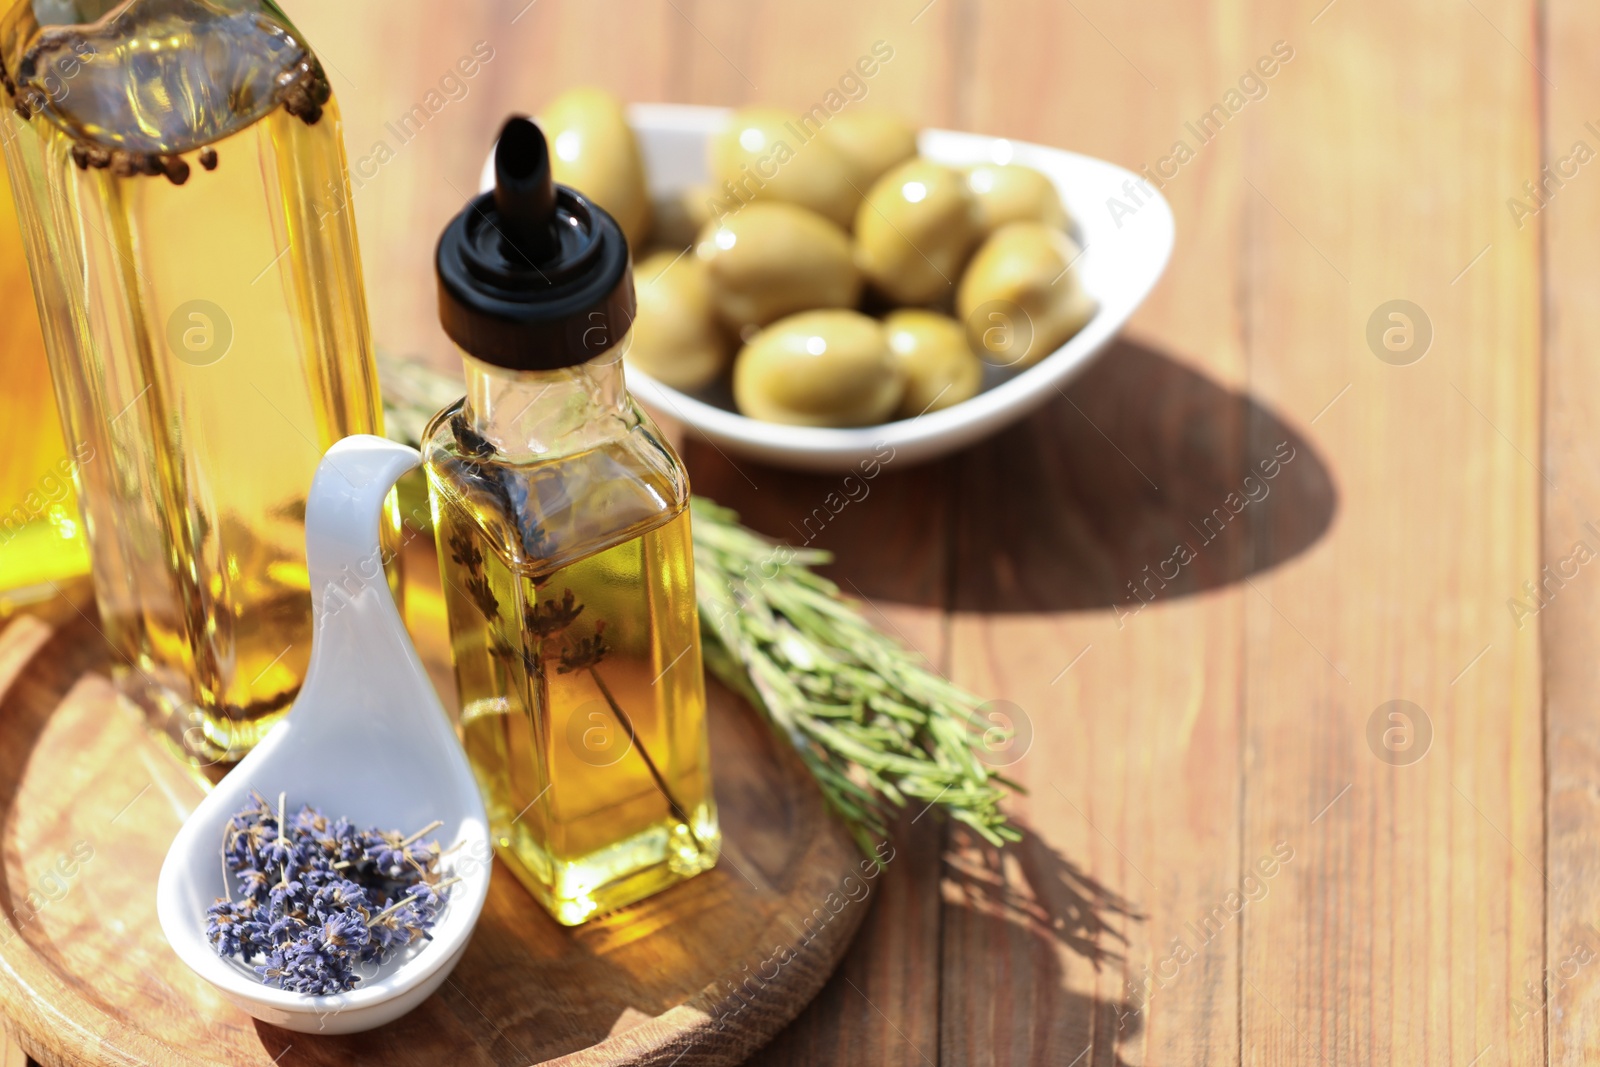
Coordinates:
(532, 645)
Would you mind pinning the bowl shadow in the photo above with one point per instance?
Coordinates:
(1144, 480)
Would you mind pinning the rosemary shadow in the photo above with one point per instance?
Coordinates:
(971, 971)
(1008, 915)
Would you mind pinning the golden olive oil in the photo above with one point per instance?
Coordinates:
(179, 169)
(582, 696)
(41, 537)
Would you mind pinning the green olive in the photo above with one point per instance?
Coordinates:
(766, 154)
(1011, 192)
(676, 336)
(914, 231)
(593, 149)
(939, 365)
(818, 368)
(1020, 297)
(870, 142)
(769, 259)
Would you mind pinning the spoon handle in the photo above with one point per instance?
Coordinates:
(344, 550)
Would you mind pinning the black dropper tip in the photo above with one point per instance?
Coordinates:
(532, 276)
(525, 191)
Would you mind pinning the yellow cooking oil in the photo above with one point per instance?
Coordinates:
(578, 663)
(41, 537)
(180, 174)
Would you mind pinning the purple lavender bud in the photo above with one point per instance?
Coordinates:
(319, 896)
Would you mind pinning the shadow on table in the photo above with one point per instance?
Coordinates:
(974, 955)
(1046, 892)
(1008, 916)
(1144, 480)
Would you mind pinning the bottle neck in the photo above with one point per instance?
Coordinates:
(536, 415)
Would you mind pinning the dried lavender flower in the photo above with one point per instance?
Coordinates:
(311, 898)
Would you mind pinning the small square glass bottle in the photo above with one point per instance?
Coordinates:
(563, 531)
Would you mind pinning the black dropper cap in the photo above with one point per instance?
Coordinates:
(532, 276)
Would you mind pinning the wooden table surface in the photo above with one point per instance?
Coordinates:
(1240, 849)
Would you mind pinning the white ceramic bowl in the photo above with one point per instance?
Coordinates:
(1121, 261)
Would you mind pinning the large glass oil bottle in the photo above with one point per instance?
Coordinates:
(179, 174)
(563, 529)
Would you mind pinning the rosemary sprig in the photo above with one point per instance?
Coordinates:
(873, 725)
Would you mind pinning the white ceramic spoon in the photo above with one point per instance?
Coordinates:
(367, 739)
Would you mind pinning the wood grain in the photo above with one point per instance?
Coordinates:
(1430, 909)
(703, 974)
(1413, 905)
(1564, 1000)
(1133, 772)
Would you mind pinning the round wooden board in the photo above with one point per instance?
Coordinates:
(701, 974)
